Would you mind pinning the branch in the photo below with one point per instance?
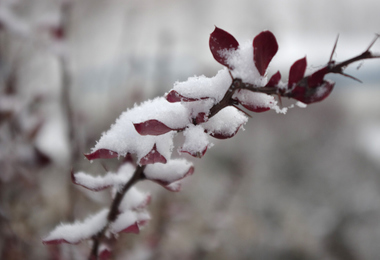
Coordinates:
(114, 209)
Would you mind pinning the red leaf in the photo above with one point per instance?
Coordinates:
(153, 127)
(101, 154)
(274, 80)
(201, 118)
(255, 109)
(221, 40)
(312, 95)
(132, 229)
(153, 157)
(264, 48)
(173, 96)
(105, 254)
(57, 242)
(297, 71)
(316, 79)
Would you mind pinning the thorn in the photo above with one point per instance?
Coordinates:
(373, 42)
(279, 100)
(232, 77)
(238, 108)
(333, 51)
(351, 77)
(104, 167)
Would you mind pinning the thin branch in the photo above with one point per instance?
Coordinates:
(114, 209)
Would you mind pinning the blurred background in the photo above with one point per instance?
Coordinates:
(304, 185)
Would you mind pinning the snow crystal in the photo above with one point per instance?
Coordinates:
(226, 122)
(173, 170)
(201, 86)
(241, 60)
(196, 140)
(74, 233)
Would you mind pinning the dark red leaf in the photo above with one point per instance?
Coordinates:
(297, 71)
(312, 95)
(105, 254)
(101, 154)
(153, 157)
(264, 48)
(255, 109)
(221, 40)
(58, 241)
(201, 118)
(153, 127)
(274, 80)
(132, 229)
(316, 79)
(173, 96)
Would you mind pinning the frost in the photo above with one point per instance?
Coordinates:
(201, 86)
(174, 170)
(79, 231)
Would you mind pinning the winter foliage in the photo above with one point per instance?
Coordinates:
(199, 109)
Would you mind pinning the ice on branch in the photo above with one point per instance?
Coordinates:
(102, 182)
(226, 123)
(79, 231)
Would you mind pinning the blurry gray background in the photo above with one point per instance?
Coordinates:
(304, 185)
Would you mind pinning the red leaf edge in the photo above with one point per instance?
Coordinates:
(173, 96)
(153, 157)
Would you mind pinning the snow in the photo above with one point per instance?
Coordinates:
(196, 140)
(75, 233)
(110, 179)
(241, 60)
(201, 86)
(226, 122)
(254, 99)
(173, 170)
(133, 199)
(128, 218)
